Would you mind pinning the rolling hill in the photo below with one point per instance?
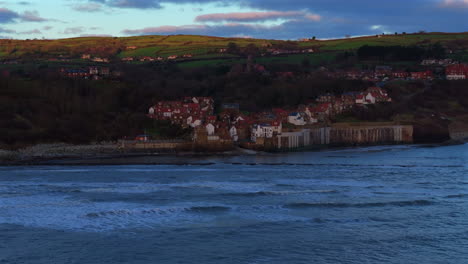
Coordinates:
(205, 47)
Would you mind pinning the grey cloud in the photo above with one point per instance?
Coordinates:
(7, 15)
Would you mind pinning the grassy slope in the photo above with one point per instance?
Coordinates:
(205, 47)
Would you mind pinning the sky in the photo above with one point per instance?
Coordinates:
(271, 19)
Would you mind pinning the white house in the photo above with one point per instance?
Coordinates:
(233, 134)
(265, 130)
(193, 122)
(210, 129)
(370, 98)
(296, 119)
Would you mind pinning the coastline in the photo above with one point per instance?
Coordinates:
(106, 154)
(110, 154)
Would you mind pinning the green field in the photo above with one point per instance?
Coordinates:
(203, 47)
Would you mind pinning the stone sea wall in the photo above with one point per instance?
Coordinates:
(346, 135)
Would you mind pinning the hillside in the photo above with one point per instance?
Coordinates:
(50, 93)
(205, 47)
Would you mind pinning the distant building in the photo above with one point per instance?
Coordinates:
(457, 72)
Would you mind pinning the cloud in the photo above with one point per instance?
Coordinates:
(96, 35)
(313, 17)
(30, 32)
(73, 30)
(47, 28)
(455, 3)
(164, 29)
(142, 4)
(32, 16)
(88, 7)
(7, 15)
(224, 30)
(5, 30)
(247, 16)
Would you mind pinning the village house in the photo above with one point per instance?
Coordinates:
(442, 62)
(353, 75)
(172, 57)
(266, 130)
(429, 62)
(86, 56)
(93, 70)
(127, 59)
(382, 71)
(424, 75)
(457, 72)
(210, 129)
(146, 58)
(348, 99)
(76, 73)
(105, 71)
(233, 134)
(297, 119)
(400, 74)
(190, 112)
(321, 111)
(97, 59)
(326, 98)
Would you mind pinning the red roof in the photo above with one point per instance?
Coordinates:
(457, 69)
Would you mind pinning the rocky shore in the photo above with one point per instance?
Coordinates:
(106, 153)
(57, 151)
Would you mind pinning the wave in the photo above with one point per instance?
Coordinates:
(209, 209)
(273, 193)
(159, 211)
(359, 205)
(463, 195)
(347, 165)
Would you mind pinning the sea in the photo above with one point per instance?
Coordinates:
(385, 204)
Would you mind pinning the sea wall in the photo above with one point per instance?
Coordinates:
(154, 145)
(370, 134)
(458, 131)
(345, 135)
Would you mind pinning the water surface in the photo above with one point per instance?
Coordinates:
(396, 204)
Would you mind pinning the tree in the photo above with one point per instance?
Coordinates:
(305, 63)
(251, 49)
(232, 48)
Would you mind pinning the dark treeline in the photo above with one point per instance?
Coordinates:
(37, 105)
(401, 53)
(43, 107)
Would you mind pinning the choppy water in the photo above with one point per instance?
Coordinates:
(368, 205)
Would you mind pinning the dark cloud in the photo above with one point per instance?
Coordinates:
(7, 16)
